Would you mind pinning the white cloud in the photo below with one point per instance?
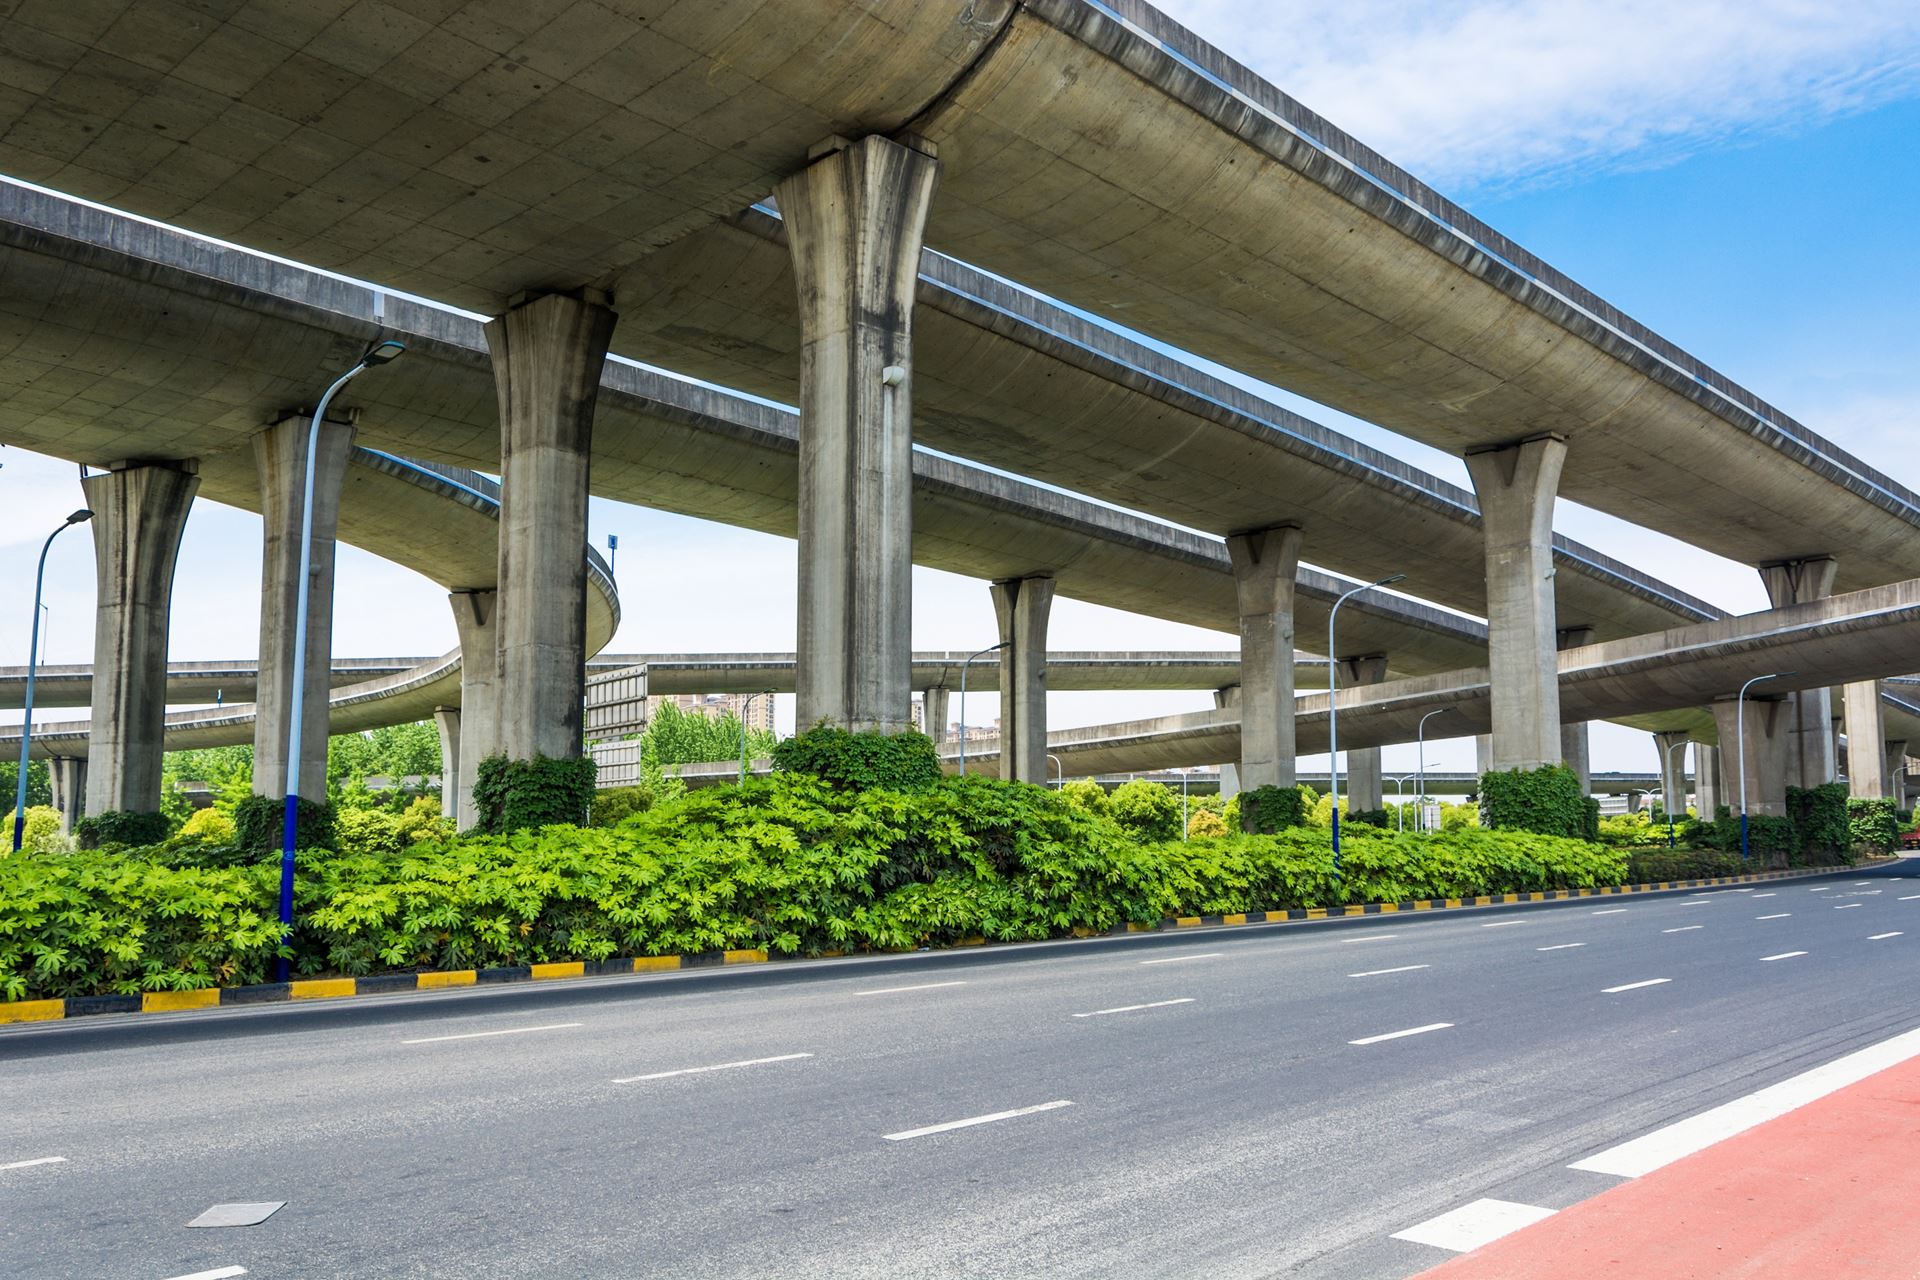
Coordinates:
(1493, 91)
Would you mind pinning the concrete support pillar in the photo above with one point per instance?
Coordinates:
(476, 616)
(68, 774)
(1265, 566)
(447, 721)
(1767, 751)
(1673, 771)
(1574, 737)
(1707, 795)
(1516, 484)
(1866, 740)
(1229, 773)
(1021, 605)
(1811, 759)
(1896, 766)
(855, 220)
(280, 453)
(139, 513)
(1363, 790)
(1483, 753)
(547, 353)
(935, 708)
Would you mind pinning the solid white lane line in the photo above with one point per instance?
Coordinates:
(918, 986)
(28, 1164)
(904, 1134)
(476, 1035)
(1663, 1146)
(1784, 955)
(218, 1273)
(1820, 888)
(1633, 986)
(1875, 937)
(1685, 928)
(1501, 924)
(1470, 1226)
(1756, 897)
(1910, 897)
(1561, 946)
(1691, 903)
(1374, 973)
(1371, 937)
(1129, 1008)
(1205, 955)
(1396, 1035)
(1610, 911)
(1778, 915)
(718, 1066)
(1848, 906)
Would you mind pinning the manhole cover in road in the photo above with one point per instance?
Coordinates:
(237, 1215)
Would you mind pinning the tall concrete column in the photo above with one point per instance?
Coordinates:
(68, 774)
(1574, 737)
(1516, 484)
(1021, 605)
(1266, 564)
(547, 352)
(1811, 758)
(1866, 740)
(1673, 771)
(280, 454)
(1483, 753)
(1364, 791)
(139, 513)
(476, 616)
(1896, 766)
(935, 704)
(1707, 795)
(1768, 748)
(1229, 772)
(855, 219)
(447, 721)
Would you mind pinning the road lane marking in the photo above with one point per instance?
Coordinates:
(1205, 955)
(1633, 986)
(968, 1123)
(1756, 897)
(1685, 928)
(1561, 946)
(1129, 1008)
(510, 1031)
(1662, 1147)
(1868, 893)
(1374, 973)
(1848, 906)
(1875, 937)
(1610, 911)
(1501, 924)
(1784, 955)
(1820, 888)
(1371, 937)
(718, 1066)
(1780, 915)
(218, 1273)
(918, 986)
(28, 1164)
(1470, 1226)
(1910, 897)
(1691, 903)
(1397, 1035)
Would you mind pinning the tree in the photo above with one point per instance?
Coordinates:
(39, 785)
(1150, 811)
(677, 736)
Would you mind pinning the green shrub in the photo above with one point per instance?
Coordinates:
(1819, 817)
(896, 761)
(1682, 864)
(208, 826)
(41, 833)
(259, 825)
(1370, 818)
(1087, 795)
(1147, 811)
(1204, 824)
(1546, 800)
(119, 827)
(1873, 824)
(1265, 810)
(616, 804)
(512, 795)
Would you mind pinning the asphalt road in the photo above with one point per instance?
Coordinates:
(1244, 1121)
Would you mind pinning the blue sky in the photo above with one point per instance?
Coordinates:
(1737, 176)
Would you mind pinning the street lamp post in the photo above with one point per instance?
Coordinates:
(1184, 818)
(746, 708)
(1740, 732)
(33, 661)
(1400, 801)
(1062, 778)
(1668, 762)
(1420, 745)
(1333, 710)
(992, 648)
(379, 353)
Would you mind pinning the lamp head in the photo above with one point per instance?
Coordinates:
(80, 517)
(1387, 582)
(382, 353)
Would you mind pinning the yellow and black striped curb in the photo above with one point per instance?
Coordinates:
(441, 980)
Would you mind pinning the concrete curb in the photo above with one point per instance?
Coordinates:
(72, 1007)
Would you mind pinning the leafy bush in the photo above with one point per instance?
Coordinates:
(896, 761)
(1147, 811)
(1087, 795)
(1873, 824)
(1682, 864)
(512, 795)
(381, 831)
(1819, 817)
(1265, 810)
(41, 834)
(1204, 824)
(259, 825)
(1547, 800)
(1370, 818)
(208, 826)
(120, 827)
